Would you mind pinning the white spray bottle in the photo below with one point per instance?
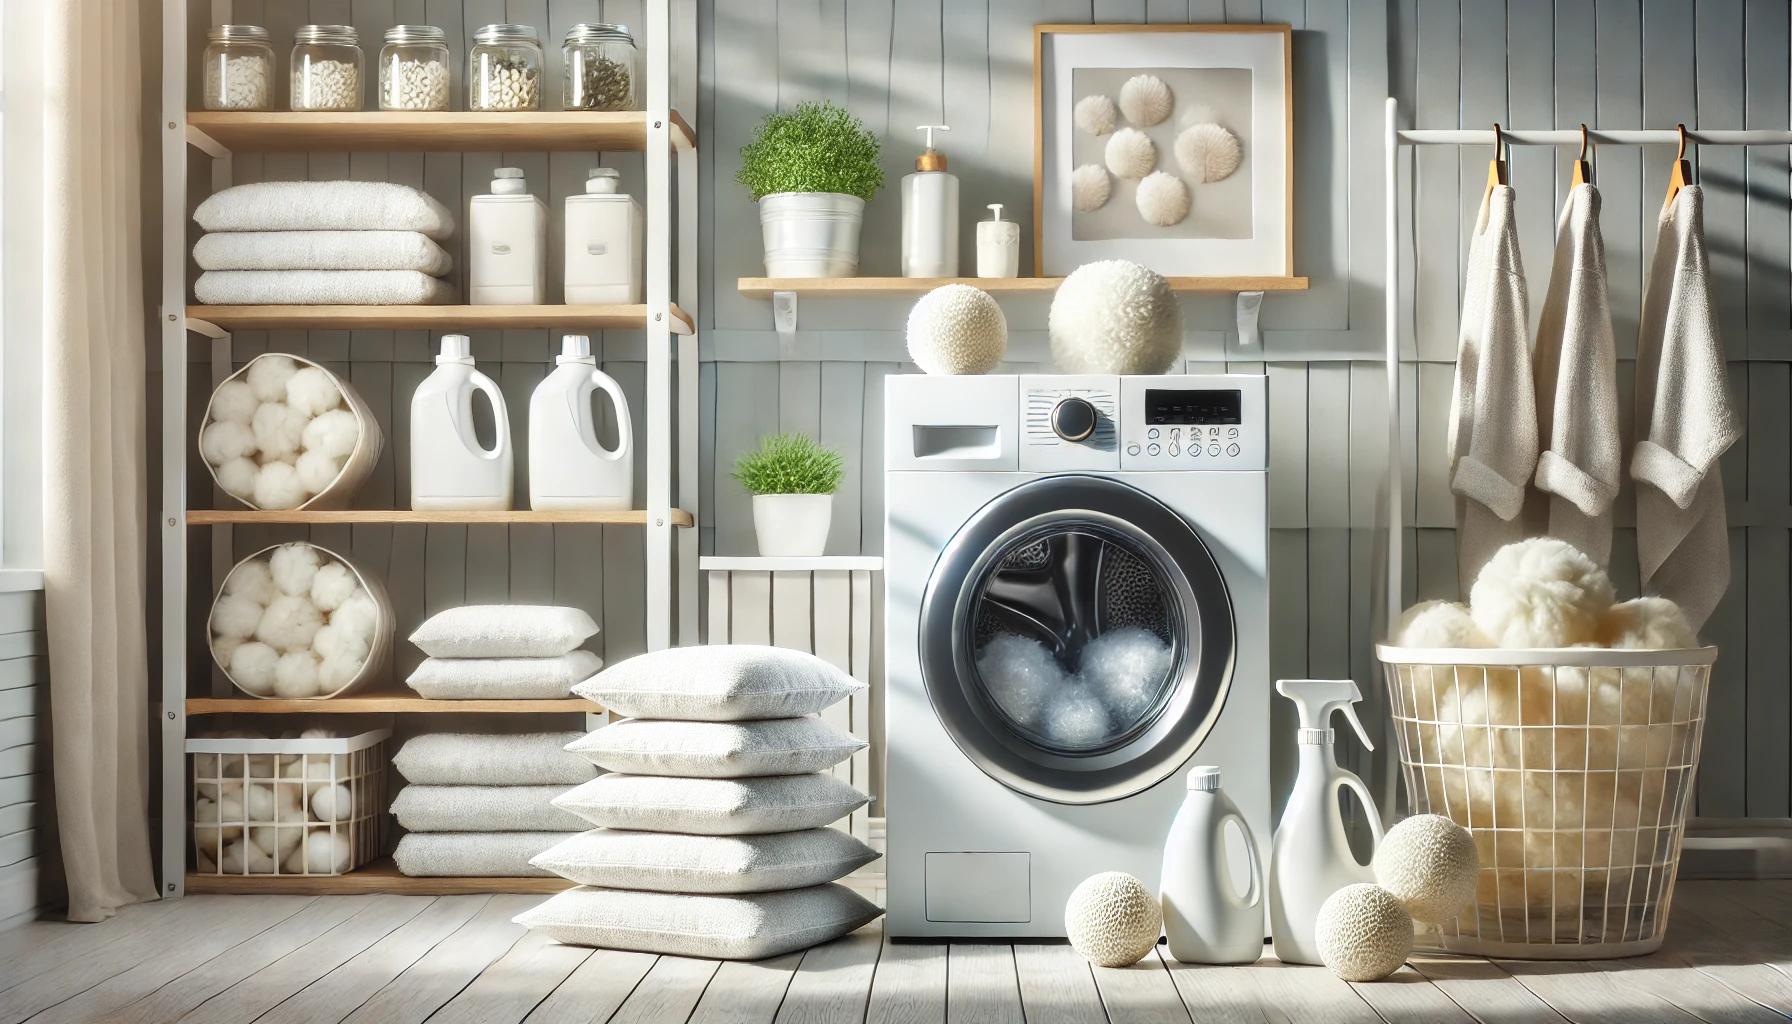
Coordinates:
(568, 467)
(1310, 858)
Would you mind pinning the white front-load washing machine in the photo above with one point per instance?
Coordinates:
(1076, 611)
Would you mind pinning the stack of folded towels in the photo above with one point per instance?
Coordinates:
(482, 805)
(504, 652)
(310, 243)
(711, 838)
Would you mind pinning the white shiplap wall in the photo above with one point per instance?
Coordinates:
(28, 869)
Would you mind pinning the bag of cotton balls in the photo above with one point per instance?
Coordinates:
(280, 432)
(1115, 316)
(296, 624)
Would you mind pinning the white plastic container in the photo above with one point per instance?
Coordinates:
(1205, 919)
(811, 234)
(450, 470)
(1311, 858)
(998, 245)
(507, 244)
(604, 243)
(568, 468)
(930, 214)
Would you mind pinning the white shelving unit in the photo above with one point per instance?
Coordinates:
(663, 134)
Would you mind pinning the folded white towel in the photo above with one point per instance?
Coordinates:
(483, 809)
(324, 206)
(321, 250)
(503, 678)
(496, 759)
(321, 288)
(475, 854)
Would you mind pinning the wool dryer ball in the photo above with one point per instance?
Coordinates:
(316, 470)
(1145, 100)
(1430, 864)
(1115, 316)
(234, 402)
(279, 430)
(1540, 592)
(1112, 919)
(957, 329)
(1095, 115)
(289, 623)
(225, 440)
(333, 584)
(312, 392)
(1162, 199)
(1363, 932)
(295, 675)
(294, 568)
(238, 477)
(252, 667)
(1131, 153)
(1090, 187)
(268, 376)
(1647, 624)
(335, 433)
(278, 487)
(253, 580)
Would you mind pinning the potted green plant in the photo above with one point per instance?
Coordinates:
(792, 479)
(811, 170)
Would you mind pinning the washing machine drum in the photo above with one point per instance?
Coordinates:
(1077, 639)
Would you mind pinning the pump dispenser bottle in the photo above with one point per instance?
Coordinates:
(1311, 858)
(998, 245)
(930, 214)
(507, 244)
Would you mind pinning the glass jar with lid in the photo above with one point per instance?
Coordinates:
(326, 68)
(239, 68)
(414, 68)
(601, 65)
(504, 69)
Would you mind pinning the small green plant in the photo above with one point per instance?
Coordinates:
(817, 147)
(790, 464)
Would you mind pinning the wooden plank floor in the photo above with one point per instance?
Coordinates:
(409, 959)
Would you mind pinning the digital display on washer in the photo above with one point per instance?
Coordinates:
(1180, 408)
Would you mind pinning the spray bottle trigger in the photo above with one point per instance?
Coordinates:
(1361, 733)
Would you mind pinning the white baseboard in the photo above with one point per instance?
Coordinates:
(1737, 848)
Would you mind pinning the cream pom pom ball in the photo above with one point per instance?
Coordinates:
(252, 667)
(277, 486)
(226, 440)
(293, 568)
(1647, 624)
(1432, 624)
(1131, 153)
(1162, 199)
(1090, 187)
(1208, 152)
(279, 430)
(1145, 100)
(312, 392)
(289, 623)
(1540, 592)
(957, 329)
(1430, 864)
(253, 580)
(1095, 115)
(235, 616)
(268, 375)
(334, 433)
(1363, 932)
(1115, 316)
(1112, 919)
(234, 401)
(238, 478)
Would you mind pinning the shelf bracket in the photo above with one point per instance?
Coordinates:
(207, 328)
(1249, 305)
(784, 319)
(204, 143)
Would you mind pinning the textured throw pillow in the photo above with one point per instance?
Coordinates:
(713, 807)
(718, 750)
(473, 854)
(492, 759)
(504, 631)
(720, 683)
(503, 678)
(483, 809)
(746, 927)
(668, 862)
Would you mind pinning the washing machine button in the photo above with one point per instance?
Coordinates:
(1213, 449)
(1153, 433)
(1232, 433)
(1073, 419)
(1175, 449)
(1132, 449)
(1232, 450)
(1194, 450)
(1153, 450)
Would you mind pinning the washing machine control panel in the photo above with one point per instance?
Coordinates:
(1194, 421)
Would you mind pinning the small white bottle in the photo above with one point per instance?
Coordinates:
(604, 235)
(568, 468)
(930, 214)
(1205, 919)
(998, 245)
(450, 470)
(507, 244)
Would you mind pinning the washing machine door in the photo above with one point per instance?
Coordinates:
(1077, 639)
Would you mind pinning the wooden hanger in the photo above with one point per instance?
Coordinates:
(1496, 169)
(1682, 173)
(1583, 171)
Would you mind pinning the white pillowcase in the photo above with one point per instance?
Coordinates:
(492, 759)
(713, 807)
(720, 683)
(483, 809)
(504, 631)
(667, 862)
(745, 927)
(473, 854)
(718, 750)
(503, 678)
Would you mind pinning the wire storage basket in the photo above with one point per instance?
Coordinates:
(1574, 769)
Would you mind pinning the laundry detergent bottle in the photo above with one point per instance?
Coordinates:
(450, 470)
(568, 468)
(1205, 919)
(1311, 858)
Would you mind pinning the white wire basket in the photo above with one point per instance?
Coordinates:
(1574, 769)
(288, 806)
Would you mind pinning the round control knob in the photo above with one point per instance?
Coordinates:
(1073, 419)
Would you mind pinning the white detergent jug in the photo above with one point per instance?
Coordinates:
(1310, 858)
(1205, 919)
(450, 470)
(568, 468)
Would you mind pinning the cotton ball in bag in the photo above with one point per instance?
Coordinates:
(1095, 115)
(253, 580)
(335, 673)
(357, 616)
(1430, 864)
(252, 668)
(1115, 316)
(337, 643)
(1162, 199)
(1540, 592)
(277, 843)
(333, 584)
(277, 487)
(295, 675)
(1647, 624)
(1076, 719)
(225, 440)
(1363, 932)
(289, 623)
(294, 567)
(1434, 624)
(317, 471)
(224, 648)
(335, 433)
(957, 329)
(1145, 100)
(1207, 152)
(268, 376)
(279, 430)
(1090, 187)
(1020, 675)
(311, 391)
(1125, 667)
(235, 616)
(320, 854)
(1130, 153)
(238, 478)
(234, 401)
(1112, 919)
(332, 803)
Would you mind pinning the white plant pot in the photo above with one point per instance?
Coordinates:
(792, 524)
(811, 234)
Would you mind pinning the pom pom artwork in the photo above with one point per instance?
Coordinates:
(1145, 100)
(1115, 316)
(315, 623)
(1090, 187)
(1162, 199)
(1112, 919)
(957, 329)
(1190, 114)
(1364, 933)
(282, 431)
(1431, 865)
(1130, 153)
(1095, 115)
(1207, 152)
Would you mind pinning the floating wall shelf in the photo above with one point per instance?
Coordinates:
(227, 517)
(393, 131)
(430, 318)
(385, 703)
(872, 287)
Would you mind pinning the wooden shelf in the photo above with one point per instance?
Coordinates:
(791, 563)
(892, 287)
(431, 318)
(232, 517)
(398, 131)
(380, 876)
(387, 702)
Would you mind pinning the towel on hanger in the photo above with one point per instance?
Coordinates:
(1576, 366)
(1493, 413)
(1684, 421)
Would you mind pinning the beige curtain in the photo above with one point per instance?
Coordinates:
(94, 497)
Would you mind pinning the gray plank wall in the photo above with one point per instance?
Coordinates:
(28, 870)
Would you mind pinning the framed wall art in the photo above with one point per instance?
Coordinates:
(1168, 145)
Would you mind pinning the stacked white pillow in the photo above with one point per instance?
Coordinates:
(711, 837)
(279, 434)
(504, 652)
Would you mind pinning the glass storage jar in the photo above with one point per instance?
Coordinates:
(326, 68)
(414, 68)
(504, 69)
(601, 63)
(239, 68)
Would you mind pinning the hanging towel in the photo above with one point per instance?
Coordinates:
(1576, 364)
(1493, 413)
(321, 250)
(321, 288)
(1684, 421)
